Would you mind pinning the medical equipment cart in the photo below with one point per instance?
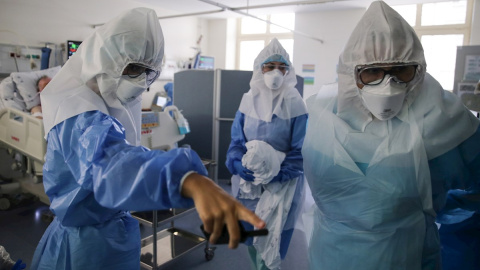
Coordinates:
(170, 243)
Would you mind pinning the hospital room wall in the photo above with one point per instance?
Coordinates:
(180, 33)
(334, 28)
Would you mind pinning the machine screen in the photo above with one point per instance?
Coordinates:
(161, 101)
(72, 47)
(206, 62)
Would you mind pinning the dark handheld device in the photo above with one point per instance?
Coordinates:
(224, 237)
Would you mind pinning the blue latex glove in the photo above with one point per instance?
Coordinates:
(244, 173)
(19, 265)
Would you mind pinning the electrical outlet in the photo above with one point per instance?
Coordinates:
(12, 54)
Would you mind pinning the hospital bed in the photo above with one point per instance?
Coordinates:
(21, 134)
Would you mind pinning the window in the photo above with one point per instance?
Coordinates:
(253, 35)
(441, 27)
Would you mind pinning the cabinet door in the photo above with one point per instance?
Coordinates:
(193, 95)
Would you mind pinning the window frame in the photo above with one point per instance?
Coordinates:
(266, 37)
(446, 29)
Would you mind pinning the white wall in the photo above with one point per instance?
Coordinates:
(181, 34)
(37, 21)
(217, 45)
(222, 42)
(334, 28)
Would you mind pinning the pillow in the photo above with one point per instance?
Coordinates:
(9, 96)
(26, 84)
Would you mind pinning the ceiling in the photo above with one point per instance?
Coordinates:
(221, 8)
(75, 14)
(95, 12)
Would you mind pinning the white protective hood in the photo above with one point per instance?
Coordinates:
(383, 36)
(89, 79)
(261, 102)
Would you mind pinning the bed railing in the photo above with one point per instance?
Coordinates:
(24, 133)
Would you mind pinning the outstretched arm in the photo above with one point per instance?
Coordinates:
(216, 208)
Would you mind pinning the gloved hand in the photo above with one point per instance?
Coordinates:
(244, 173)
(19, 265)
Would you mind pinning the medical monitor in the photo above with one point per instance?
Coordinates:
(206, 62)
(72, 47)
(159, 101)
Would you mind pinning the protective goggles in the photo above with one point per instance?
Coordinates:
(374, 75)
(135, 70)
(269, 67)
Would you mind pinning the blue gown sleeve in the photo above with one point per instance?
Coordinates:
(122, 176)
(237, 148)
(457, 173)
(460, 216)
(292, 165)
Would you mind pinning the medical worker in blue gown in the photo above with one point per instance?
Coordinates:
(383, 147)
(95, 170)
(265, 153)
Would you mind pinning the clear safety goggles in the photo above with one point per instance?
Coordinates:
(135, 70)
(374, 74)
(269, 67)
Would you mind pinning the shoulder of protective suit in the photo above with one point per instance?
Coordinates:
(430, 93)
(323, 98)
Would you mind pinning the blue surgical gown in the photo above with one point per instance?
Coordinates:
(456, 191)
(93, 177)
(285, 135)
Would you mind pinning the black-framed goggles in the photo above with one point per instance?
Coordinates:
(135, 70)
(375, 74)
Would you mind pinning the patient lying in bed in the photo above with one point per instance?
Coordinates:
(21, 90)
(41, 84)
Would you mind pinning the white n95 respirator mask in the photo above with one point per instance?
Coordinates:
(273, 79)
(130, 88)
(385, 100)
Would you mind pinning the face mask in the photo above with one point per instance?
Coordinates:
(385, 100)
(273, 79)
(130, 88)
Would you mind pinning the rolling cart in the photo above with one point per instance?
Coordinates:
(170, 243)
